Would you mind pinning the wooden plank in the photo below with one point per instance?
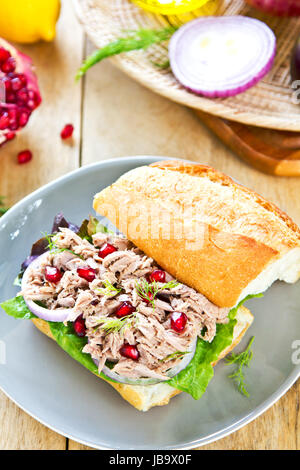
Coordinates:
(21, 432)
(121, 118)
(56, 64)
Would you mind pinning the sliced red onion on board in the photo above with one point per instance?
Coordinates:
(56, 315)
(186, 359)
(222, 56)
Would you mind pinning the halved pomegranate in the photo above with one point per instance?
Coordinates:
(19, 91)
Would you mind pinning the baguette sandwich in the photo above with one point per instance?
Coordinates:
(152, 310)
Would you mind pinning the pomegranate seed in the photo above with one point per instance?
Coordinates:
(79, 326)
(10, 97)
(10, 135)
(34, 99)
(22, 78)
(24, 157)
(7, 83)
(106, 249)
(22, 95)
(129, 351)
(23, 118)
(125, 309)
(52, 274)
(4, 121)
(149, 299)
(88, 274)
(67, 131)
(9, 65)
(16, 84)
(178, 321)
(4, 55)
(158, 275)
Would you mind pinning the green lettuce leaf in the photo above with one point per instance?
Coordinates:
(94, 226)
(67, 339)
(195, 378)
(17, 308)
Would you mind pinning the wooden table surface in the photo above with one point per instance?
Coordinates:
(114, 116)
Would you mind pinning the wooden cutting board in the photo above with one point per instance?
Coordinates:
(271, 151)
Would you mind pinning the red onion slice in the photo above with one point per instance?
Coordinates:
(56, 315)
(222, 56)
(186, 359)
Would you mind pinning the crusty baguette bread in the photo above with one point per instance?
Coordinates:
(145, 397)
(206, 230)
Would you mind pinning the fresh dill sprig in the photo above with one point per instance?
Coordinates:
(2, 209)
(149, 291)
(242, 360)
(174, 355)
(110, 290)
(136, 40)
(53, 248)
(162, 65)
(116, 325)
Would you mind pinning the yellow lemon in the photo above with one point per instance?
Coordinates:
(28, 20)
(170, 7)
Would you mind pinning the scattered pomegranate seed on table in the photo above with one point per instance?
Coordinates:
(125, 309)
(79, 326)
(106, 249)
(24, 157)
(10, 135)
(89, 274)
(67, 131)
(158, 275)
(178, 321)
(130, 352)
(52, 274)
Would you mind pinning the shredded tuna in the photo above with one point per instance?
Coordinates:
(117, 275)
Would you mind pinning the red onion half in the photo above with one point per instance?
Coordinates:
(277, 7)
(56, 315)
(222, 56)
(186, 359)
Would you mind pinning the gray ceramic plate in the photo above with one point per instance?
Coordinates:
(60, 393)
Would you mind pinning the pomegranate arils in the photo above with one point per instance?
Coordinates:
(125, 309)
(52, 274)
(67, 131)
(7, 83)
(79, 326)
(4, 121)
(158, 275)
(9, 65)
(4, 55)
(106, 249)
(24, 157)
(16, 84)
(23, 118)
(129, 351)
(178, 321)
(19, 91)
(89, 274)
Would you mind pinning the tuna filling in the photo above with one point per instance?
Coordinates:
(123, 276)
